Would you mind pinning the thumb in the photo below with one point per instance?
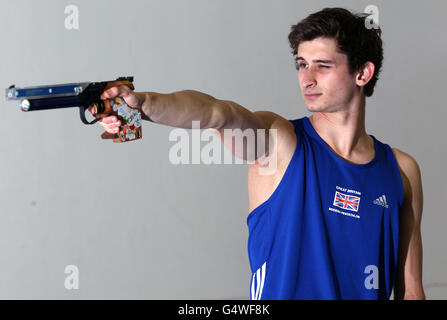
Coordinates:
(125, 93)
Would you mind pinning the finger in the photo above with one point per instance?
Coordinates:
(109, 120)
(121, 91)
(112, 128)
(110, 124)
(92, 109)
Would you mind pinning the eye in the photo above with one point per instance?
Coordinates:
(300, 65)
(321, 66)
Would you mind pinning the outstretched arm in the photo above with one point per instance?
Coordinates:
(180, 109)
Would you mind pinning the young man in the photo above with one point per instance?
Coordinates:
(340, 217)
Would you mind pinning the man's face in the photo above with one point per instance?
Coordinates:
(324, 72)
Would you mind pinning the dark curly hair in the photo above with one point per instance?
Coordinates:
(359, 43)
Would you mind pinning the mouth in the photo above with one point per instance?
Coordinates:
(312, 95)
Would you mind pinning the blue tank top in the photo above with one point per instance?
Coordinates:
(330, 230)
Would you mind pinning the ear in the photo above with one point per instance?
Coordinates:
(365, 74)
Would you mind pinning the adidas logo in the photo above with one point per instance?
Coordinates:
(381, 201)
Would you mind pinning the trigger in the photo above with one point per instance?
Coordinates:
(84, 119)
(99, 107)
(93, 108)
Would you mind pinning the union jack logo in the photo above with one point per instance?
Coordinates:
(346, 201)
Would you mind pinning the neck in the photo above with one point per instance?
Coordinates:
(344, 131)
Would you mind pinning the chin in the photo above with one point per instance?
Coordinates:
(315, 107)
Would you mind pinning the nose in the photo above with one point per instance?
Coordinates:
(307, 79)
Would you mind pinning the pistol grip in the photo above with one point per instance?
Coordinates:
(130, 119)
(106, 109)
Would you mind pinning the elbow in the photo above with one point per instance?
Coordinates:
(221, 115)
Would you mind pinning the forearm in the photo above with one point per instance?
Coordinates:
(179, 109)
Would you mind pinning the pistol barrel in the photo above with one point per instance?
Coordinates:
(49, 103)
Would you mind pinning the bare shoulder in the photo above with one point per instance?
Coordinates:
(411, 174)
(406, 163)
(284, 131)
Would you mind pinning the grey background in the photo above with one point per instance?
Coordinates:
(139, 227)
